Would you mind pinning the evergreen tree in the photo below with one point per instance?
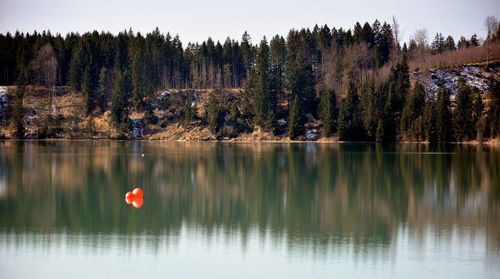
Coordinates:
(474, 41)
(89, 88)
(384, 41)
(386, 128)
(301, 84)
(247, 52)
(77, 67)
(277, 56)
(189, 111)
(412, 110)
(464, 126)
(120, 96)
(463, 43)
(262, 98)
(443, 116)
(270, 123)
(449, 44)
(295, 120)
(139, 77)
(477, 113)
(371, 96)
(438, 45)
(328, 112)
(350, 125)
(399, 85)
(214, 113)
(248, 92)
(429, 121)
(103, 89)
(494, 110)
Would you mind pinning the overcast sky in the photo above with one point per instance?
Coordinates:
(196, 20)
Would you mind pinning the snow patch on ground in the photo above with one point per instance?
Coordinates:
(137, 130)
(160, 102)
(474, 76)
(312, 134)
(282, 122)
(4, 105)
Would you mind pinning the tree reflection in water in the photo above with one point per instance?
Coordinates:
(310, 196)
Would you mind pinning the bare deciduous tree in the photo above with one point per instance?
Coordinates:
(45, 67)
(491, 24)
(395, 30)
(421, 37)
(422, 40)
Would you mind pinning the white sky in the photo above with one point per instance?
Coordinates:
(196, 20)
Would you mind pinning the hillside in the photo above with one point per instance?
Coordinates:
(66, 118)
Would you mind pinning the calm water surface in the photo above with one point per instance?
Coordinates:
(248, 210)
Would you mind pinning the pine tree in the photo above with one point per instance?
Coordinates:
(301, 83)
(399, 85)
(429, 121)
(213, 111)
(477, 115)
(443, 116)
(494, 110)
(248, 92)
(386, 128)
(463, 43)
(350, 125)
(370, 96)
(270, 122)
(89, 88)
(77, 67)
(262, 85)
(413, 108)
(438, 45)
(277, 56)
(474, 41)
(464, 126)
(247, 52)
(103, 89)
(137, 76)
(119, 97)
(189, 111)
(295, 121)
(449, 44)
(328, 112)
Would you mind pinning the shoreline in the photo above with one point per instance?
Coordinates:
(491, 142)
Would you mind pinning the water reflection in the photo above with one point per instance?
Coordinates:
(313, 199)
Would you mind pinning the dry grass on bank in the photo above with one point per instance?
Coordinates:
(471, 55)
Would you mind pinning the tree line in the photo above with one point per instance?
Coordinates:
(356, 81)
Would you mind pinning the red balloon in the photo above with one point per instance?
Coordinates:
(137, 203)
(129, 197)
(138, 192)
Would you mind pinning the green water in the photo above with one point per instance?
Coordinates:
(248, 210)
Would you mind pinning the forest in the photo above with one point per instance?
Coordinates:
(356, 82)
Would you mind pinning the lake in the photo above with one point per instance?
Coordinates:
(263, 210)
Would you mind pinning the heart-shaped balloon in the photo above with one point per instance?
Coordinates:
(135, 198)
